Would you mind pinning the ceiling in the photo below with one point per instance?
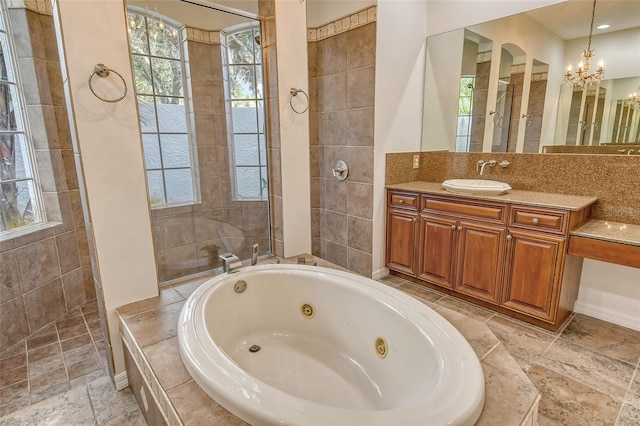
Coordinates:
(571, 20)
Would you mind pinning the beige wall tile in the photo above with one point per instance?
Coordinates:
(14, 322)
(335, 54)
(360, 162)
(360, 87)
(44, 255)
(335, 132)
(361, 47)
(67, 246)
(360, 235)
(336, 193)
(336, 227)
(360, 124)
(9, 279)
(360, 200)
(44, 304)
(359, 262)
(334, 92)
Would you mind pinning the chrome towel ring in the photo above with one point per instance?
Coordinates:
(294, 92)
(103, 71)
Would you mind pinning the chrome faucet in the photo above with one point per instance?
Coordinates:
(230, 262)
(481, 163)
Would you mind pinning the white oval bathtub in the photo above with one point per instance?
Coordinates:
(324, 367)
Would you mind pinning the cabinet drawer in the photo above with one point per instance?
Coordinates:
(474, 210)
(538, 219)
(403, 200)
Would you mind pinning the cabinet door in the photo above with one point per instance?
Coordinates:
(437, 250)
(401, 239)
(480, 261)
(533, 274)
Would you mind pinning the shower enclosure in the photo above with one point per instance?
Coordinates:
(199, 86)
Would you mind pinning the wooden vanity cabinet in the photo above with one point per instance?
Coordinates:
(402, 226)
(511, 257)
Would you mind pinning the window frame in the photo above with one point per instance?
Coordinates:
(36, 196)
(191, 140)
(262, 166)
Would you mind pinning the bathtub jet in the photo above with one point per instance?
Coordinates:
(365, 354)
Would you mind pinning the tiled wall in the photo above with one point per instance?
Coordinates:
(189, 238)
(613, 179)
(535, 110)
(342, 83)
(480, 96)
(45, 273)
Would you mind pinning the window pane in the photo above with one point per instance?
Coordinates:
(142, 72)
(163, 38)
(246, 150)
(4, 67)
(167, 77)
(243, 84)
(17, 205)
(8, 106)
(248, 182)
(241, 48)
(175, 151)
(156, 187)
(137, 33)
(257, 47)
(259, 83)
(464, 107)
(146, 109)
(264, 181)
(151, 151)
(263, 150)
(22, 166)
(464, 121)
(172, 116)
(179, 185)
(244, 117)
(261, 117)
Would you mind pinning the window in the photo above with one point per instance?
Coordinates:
(465, 110)
(247, 114)
(20, 198)
(158, 72)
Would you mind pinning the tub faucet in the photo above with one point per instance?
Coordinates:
(230, 262)
(254, 254)
(481, 163)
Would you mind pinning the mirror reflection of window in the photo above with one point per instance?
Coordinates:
(158, 64)
(465, 111)
(247, 113)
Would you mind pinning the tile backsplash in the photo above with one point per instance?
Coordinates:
(613, 179)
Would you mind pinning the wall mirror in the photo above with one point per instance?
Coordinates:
(498, 86)
(199, 86)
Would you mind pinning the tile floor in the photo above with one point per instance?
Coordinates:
(588, 373)
(56, 371)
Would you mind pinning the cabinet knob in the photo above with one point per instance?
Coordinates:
(453, 227)
(459, 228)
(535, 220)
(509, 237)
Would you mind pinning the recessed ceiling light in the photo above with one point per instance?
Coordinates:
(603, 26)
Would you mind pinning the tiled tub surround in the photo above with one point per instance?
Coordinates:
(341, 112)
(44, 273)
(586, 373)
(189, 238)
(607, 178)
(149, 332)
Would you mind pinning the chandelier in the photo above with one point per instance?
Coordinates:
(633, 100)
(583, 77)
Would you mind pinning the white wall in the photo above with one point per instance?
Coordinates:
(610, 292)
(320, 12)
(446, 15)
(400, 62)
(108, 137)
(291, 42)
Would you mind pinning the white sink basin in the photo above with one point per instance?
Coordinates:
(476, 186)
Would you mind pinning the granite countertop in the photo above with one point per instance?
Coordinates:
(604, 230)
(514, 196)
